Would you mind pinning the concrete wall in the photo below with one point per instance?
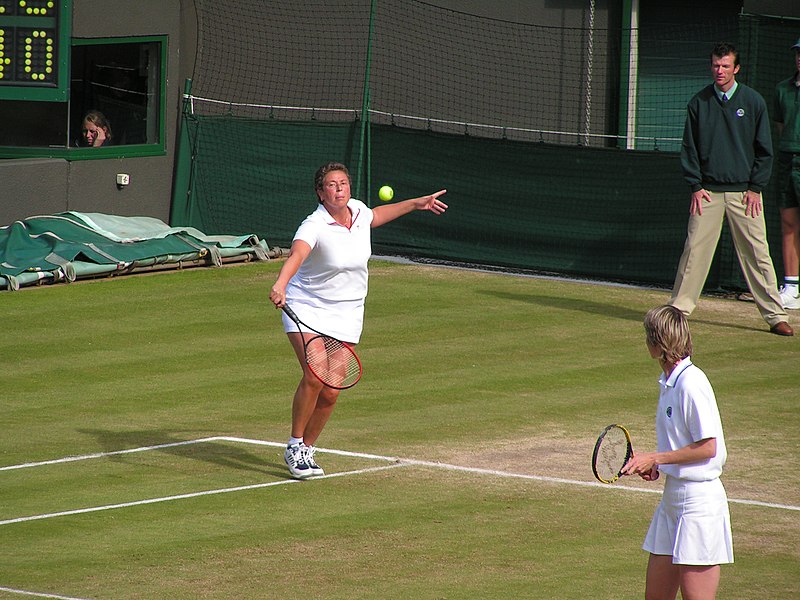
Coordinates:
(29, 187)
(35, 186)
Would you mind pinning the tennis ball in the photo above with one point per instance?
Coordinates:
(386, 193)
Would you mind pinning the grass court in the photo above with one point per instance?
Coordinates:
(143, 420)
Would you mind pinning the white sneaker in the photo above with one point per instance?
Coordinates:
(789, 301)
(316, 470)
(296, 459)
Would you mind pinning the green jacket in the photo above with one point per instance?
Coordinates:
(727, 147)
(786, 110)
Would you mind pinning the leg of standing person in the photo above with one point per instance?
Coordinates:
(312, 406)
(698, 252)
(663, 578)
(750, 239)
(326, 400)
(313, 402)
(790, 232)
(699, 582)
(788, 170)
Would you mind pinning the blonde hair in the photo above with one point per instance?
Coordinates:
(667, 329)
(100, 120)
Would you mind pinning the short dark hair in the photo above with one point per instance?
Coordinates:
(319, 177)
(723, 49)
(327, 168)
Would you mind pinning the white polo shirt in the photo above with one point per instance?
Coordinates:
(329, 288)
(687, 412)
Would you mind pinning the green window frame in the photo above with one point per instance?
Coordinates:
(154, 108)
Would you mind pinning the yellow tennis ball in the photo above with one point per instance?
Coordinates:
(386, 193)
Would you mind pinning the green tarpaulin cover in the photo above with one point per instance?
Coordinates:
(68, 246)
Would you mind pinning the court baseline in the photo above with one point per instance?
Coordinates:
(393, 462)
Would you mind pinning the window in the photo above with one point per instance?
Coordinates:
(124, 79)
(121, 80)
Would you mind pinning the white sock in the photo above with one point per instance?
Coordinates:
(293, 441)
(791, 285)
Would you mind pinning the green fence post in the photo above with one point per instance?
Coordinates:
(364, 171)
(629, 21)
(181, 213)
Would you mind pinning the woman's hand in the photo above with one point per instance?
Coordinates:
(277, 295)
(432, 203)
(642, 464)
(652, 475)
(100, 137)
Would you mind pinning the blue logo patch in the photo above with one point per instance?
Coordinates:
(669, 412)
(740, 112)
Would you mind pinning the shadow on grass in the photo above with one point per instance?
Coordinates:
(221, 453)
(613, 311)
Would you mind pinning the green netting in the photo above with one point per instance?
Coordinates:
(526, 124)
(265, 184)
(609, 213)
(592, 212)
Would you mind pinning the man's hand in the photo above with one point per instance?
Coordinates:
(752, 202)
(696, 207)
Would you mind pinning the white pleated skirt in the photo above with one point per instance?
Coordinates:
(692, 524)
(343, 320)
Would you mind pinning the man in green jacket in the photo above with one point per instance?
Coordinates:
(727, 160)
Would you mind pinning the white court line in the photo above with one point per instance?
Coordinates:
(395, 460)
(104, 454)
(38, 594)
(241, 488)
(496, 473)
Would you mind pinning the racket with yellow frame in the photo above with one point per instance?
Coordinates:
(612, 451)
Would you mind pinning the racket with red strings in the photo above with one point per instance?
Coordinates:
(332, 361)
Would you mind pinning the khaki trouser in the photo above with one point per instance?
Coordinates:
(749, 238)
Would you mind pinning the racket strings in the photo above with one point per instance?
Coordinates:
(613, 454)
(334, 362)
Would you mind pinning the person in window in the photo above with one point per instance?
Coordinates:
(96, 130)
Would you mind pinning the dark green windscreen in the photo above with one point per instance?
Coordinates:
(589, 212)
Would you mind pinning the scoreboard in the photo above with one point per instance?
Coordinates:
(34, 49)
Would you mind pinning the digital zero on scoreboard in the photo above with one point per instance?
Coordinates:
(34, 49)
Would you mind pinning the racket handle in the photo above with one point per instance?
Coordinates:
(300, 325)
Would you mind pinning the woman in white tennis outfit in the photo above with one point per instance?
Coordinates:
(690, 534)
(324, 280)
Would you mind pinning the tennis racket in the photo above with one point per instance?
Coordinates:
(611, 452)
(333, 362)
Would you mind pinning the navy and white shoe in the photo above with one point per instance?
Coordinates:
(316, 470)
(296, 458)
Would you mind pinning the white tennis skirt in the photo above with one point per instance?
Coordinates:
(343, 320)
(692, 524)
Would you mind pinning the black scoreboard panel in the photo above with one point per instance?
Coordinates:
(34, 49)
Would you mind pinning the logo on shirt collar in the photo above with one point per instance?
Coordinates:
(669, 412)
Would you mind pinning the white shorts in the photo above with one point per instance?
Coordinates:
(342, 320)
(692, 524)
